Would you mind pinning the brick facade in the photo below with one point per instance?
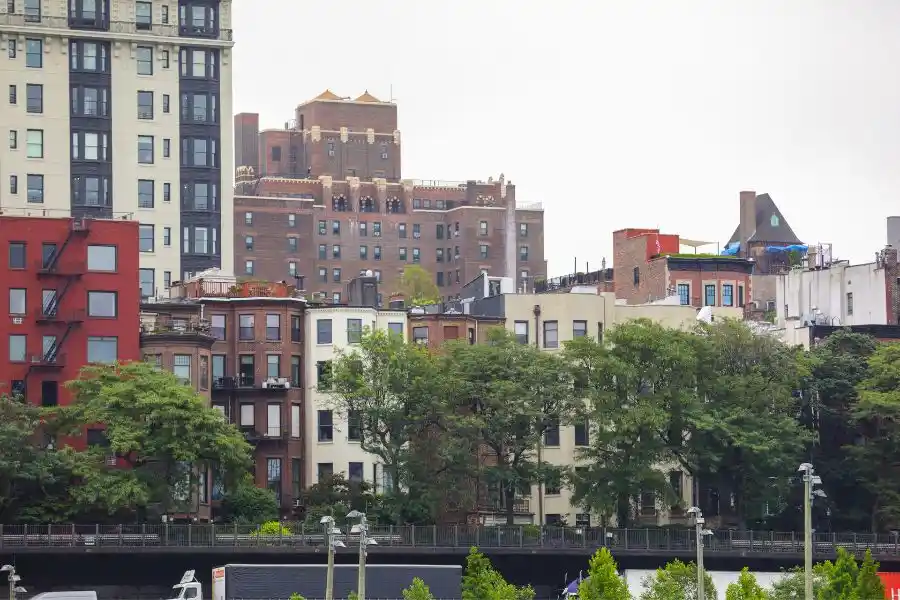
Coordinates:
(443, 327)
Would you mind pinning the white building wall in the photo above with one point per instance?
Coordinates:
(803, 294)
(340, 451)
(53, 75)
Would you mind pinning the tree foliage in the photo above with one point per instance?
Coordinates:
(677, 581)
(417, 591)
(482, 582)
(417, 286)
(746, 588)
(603, 581)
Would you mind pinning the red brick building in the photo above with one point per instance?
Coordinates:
(72, 297)
(328, 200)
(648, 267)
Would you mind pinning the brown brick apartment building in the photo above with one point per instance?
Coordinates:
(240, 344)
(648, 267)
(329, 202)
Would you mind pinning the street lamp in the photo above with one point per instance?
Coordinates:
(810, 481)
(698, 523)
(362, 528)
(330, 531)
(12, 579)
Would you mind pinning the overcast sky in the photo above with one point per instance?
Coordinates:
(614, 113)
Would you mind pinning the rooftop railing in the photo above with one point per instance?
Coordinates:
(432, 538)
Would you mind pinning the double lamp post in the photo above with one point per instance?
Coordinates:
(13, 580)
(362, 530)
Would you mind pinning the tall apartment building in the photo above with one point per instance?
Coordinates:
(115, 106)
(325, 198)
(71, 298)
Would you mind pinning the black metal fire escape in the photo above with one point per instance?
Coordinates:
(53, 317)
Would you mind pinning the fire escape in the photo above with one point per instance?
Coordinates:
(53, 319)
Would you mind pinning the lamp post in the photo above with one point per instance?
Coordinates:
(330, 531)
(701, 532)
(362, 528)
(810, 481)
(12, 579)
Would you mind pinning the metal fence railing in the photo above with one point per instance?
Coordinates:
(461, 537)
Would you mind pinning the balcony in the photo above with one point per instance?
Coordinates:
(49, 360)
(567, 282)
(51, 315)
(169, 328)
(211, 288)
(247, 383)
(270, 434)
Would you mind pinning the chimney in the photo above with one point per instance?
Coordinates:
(747, 226)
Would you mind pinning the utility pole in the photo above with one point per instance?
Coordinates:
(810, 481)
(330, 530)
(364, 542)
(699, 521)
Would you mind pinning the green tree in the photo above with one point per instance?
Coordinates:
(513, 394)
(164, 431)
(335, 496)
(482, 582)
(417, 591)
(34, 478)
(246, 503)
(877, 415)
(633, 386)
(792, 584)
(418, 287)
(603, 581)
(391, 392)
(868, 583)
(839, 578)
(677, 581)
(746, 588)
(742, 427)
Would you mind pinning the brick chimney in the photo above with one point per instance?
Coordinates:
(747, 225)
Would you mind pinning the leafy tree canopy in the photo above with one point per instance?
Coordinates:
(603, 581)
(418, 287)
(677, 581)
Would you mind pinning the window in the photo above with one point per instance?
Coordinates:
(34, 53)
(482, 228)
(420, 335)
(579, 329)
(354, 331)
(323, 374)
(101, 258)
(483, 250)
(218, 367)
(13, 139)
(144, 60)
(363, 252)
(416, 255)
(323, 331)
(202, 107)
(336, 251)
(551, 433)
(849, 303)
(273, 328)
(355, 472)
(336, 228)
(13, 184)
(396, 328)
(248, 242)
(16, 255)
(200, 196)
(648, 503)
(245, 328)
(167, 148)
(741, 296)
(89, 56)
(145, 193)
(181, 367)
(16, 301)
(49, 393)
(34, 143)
(292, 244)
(165, 60)
(147, 237)
(11, 48)
(521, 331)
(217, 327)
(684, 294)
(326, 426)
(376, 252)
(145, 149)
(295, 420)
(273, 365)
(296, 328)
(17, 348)
(523, 229)
(247, 417)
(143, 15)
(35, 189)
(582, 435)
(12, 94)
(295, 371)
(709, 298)
(246, 370)
(402, 253)
(102, 349)
(523, 253)
(167, 236)
(273, 473)
(144, 105)
(324, 471)
(147, 282)
(199, 152)
(636, 276)
(102, 304)
(675, 478)
(727, 294)
(551, 334)
(166, 101)
(167, 278)
(199, 63)
(89, 101)
(354, 426)
(34, 98)
(89, 145)
(336, 275)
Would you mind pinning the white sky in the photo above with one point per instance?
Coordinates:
(614, 113)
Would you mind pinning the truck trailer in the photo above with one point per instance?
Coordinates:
(278, 582)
